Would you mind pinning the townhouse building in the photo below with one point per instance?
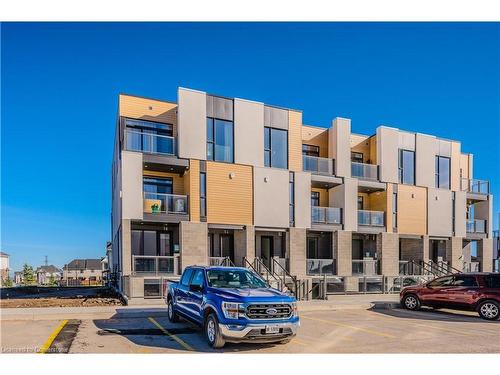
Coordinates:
(216, 180)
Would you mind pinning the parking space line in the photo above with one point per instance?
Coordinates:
(52, 337)
(179, 340)
(382, 334)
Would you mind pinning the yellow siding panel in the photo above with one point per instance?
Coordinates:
(455, 166)
(373, 150)
(412, 209)
(148, 109)
(295, 141)
(316, 137)
(323, 196)
(229, 200)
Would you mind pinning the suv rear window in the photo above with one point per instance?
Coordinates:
(493, 281)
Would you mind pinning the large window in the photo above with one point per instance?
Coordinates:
(151, 243)
(407, 167)
(157, 185)
(149, 136)
(275, 148)
(220, 140)
(442, 172)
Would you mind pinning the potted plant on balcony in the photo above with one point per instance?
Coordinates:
(155, 208)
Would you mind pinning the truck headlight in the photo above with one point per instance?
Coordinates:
(231, 310)
(294, 309)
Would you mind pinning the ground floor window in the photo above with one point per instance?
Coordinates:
(152, 288)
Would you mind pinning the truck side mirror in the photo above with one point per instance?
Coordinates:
(195, 288)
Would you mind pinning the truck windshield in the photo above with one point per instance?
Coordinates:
(234, 279)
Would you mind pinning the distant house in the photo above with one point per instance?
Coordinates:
(4, 267)
(83, 272)
(18, 277)
(44, 273)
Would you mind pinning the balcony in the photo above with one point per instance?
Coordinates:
(475, 187)
(155, 265)
(364, 171)
(149, 143)
(371, 218)
(164, 206)
(476, 226)
(367, 267)
(326, 215)
(319, 267)
(317, 165)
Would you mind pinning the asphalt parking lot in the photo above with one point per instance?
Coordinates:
(327, 331)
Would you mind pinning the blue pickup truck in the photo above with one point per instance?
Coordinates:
(232, 304)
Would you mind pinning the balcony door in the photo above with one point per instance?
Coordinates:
(149, 136)
(227, 246)
(157, 193)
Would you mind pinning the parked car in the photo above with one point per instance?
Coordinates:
(462, 291)
(232, 304)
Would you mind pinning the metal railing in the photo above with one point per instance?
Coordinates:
(471, 267)
(364, 171)
(321, 267)
(372, 218)
(157, 203)
(476, 226)
(150, 264)
(326, 215)
(319, 165)
(365, 267)
(220, 261)
(475, 186)
(149, 143)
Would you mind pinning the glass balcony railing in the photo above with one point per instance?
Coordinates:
(155, 264)
(372, 218)
(321, 267)
(475, 186)
(317, 165)
(476, 226)
(364, 171)
(149, 143)
(326, 215)
(365, 267)
(158, 203)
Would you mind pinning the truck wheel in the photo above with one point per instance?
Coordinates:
(212, 332)
(489, 310)
(411, 302)
(172, 315)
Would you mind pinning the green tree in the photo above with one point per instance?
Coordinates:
(7, 282)
(52, 280)
(28, 275)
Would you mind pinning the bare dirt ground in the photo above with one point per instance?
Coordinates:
(58, 297)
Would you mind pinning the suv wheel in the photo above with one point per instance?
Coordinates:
(212, 332)
(172, 315)
(411, 302)
(489, 310)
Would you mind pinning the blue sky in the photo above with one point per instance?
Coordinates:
(59, 99)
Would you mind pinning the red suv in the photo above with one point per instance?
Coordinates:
(461, 291)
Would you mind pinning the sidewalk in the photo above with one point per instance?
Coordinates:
(336, 302)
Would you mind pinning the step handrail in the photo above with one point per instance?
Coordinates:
(268, 271)
(285, 274)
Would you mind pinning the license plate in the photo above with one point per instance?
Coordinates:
(272, 329)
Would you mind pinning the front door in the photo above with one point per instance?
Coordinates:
(227, 246)
(267, 250)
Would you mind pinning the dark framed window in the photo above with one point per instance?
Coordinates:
(158, 185)
(151, 242)
(149, 136)
(203, 194)
(275, 148)
(360, 202)
(220, 140)
(394, 210)
(312, 247)
(407, 167)
(442, 172)
(357, 157)
(315, 198)
(310, 150)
